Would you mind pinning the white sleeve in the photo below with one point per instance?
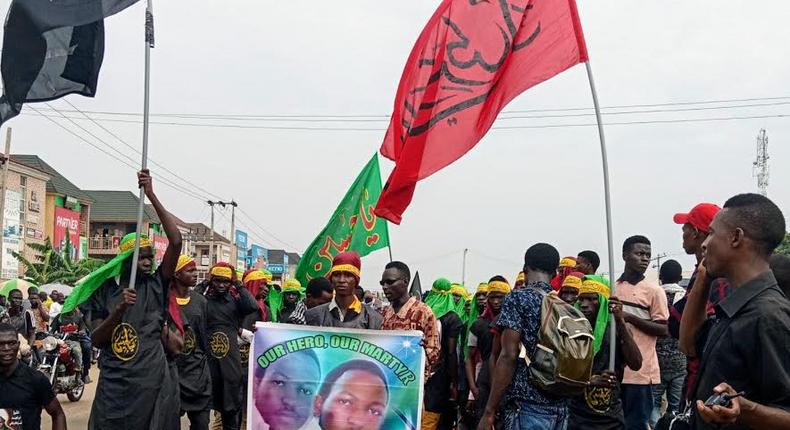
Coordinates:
(472, 340)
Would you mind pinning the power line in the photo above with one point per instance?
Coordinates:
(307, 119)
(209, 193)
(501, 127)
(252, 220)
(164, 181)
(668, 121)
(386, 117)
(91, 134)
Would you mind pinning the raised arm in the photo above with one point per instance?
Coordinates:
(103, 328)
(631, 353)
(695, 314)
(170, 259)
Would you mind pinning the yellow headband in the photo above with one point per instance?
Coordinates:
(521, 277)
(567, 262)
(129, 244)
(183, 261)
(254, 276)
(482, 288)
(499, 287)
(350, 268)
(572, 282)
(590, 286)
(292, 286)
(458, 290)
(222, 272)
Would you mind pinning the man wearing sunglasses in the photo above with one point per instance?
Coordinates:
(407, 313)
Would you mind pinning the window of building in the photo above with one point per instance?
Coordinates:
(22, 201)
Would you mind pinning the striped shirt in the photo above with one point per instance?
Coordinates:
(297, 316)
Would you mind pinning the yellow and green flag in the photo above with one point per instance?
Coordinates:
(353, 226)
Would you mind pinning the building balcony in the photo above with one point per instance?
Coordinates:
(103, 245)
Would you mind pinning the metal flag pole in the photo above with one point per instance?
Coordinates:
(608, 204)
(149, 43)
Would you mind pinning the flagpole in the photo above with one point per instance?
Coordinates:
(149, 43)
(608, 205)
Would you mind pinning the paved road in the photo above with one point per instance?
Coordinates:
(77, 413)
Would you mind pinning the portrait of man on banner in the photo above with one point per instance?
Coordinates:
(334, 379)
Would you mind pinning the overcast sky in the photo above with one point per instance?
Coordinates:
(515, 188)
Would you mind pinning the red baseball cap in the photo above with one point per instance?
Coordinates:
(699, 217)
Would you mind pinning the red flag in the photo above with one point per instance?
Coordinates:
(472, 58)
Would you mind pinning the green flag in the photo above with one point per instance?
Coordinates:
(353, 226)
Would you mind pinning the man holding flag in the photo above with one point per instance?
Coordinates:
(136, 390)
(345, 309)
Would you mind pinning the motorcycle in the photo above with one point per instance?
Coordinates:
(60, 367)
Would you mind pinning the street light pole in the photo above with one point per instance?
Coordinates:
(6, 160)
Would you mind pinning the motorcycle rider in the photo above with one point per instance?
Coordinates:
(73, 325)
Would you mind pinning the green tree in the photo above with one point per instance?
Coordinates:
(53, 266)
(784, 247)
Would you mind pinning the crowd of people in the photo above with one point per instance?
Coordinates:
(657, 352)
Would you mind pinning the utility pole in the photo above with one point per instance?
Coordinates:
(211, 239)
(760, 168)
(658, 259)
(234, 246)
(6, 160)
(463, 269)
(233, 204)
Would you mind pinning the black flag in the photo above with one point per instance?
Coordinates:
(52, 48)
(416, 289)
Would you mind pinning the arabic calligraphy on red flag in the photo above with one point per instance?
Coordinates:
(472, 58)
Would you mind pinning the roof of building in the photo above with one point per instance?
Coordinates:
(202, 232)
(118, 206)
(276, 256)
(57, 183)
(293, 258)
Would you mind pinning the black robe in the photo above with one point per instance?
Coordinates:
(193, 372)
(137, 390)
(225, 315)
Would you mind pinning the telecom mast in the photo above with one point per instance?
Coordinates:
(760, 168)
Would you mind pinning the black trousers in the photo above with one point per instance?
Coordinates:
(231, 420)
(87, 352)
(198, 420)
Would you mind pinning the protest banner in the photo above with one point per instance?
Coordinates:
(313, 378)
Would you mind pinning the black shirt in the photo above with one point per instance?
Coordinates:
(74, 318)
(193, 372)
(747, 346)
(437, 388)
(226, 313)
(23, 396)
(485, 341)
(600, 408)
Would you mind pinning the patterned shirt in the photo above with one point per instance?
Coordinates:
(521, 312)
(297, 316)
(671, 361)
(414, 315)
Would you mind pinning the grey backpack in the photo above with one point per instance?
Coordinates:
(563, 360)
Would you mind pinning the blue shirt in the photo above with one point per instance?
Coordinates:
(521, 313)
